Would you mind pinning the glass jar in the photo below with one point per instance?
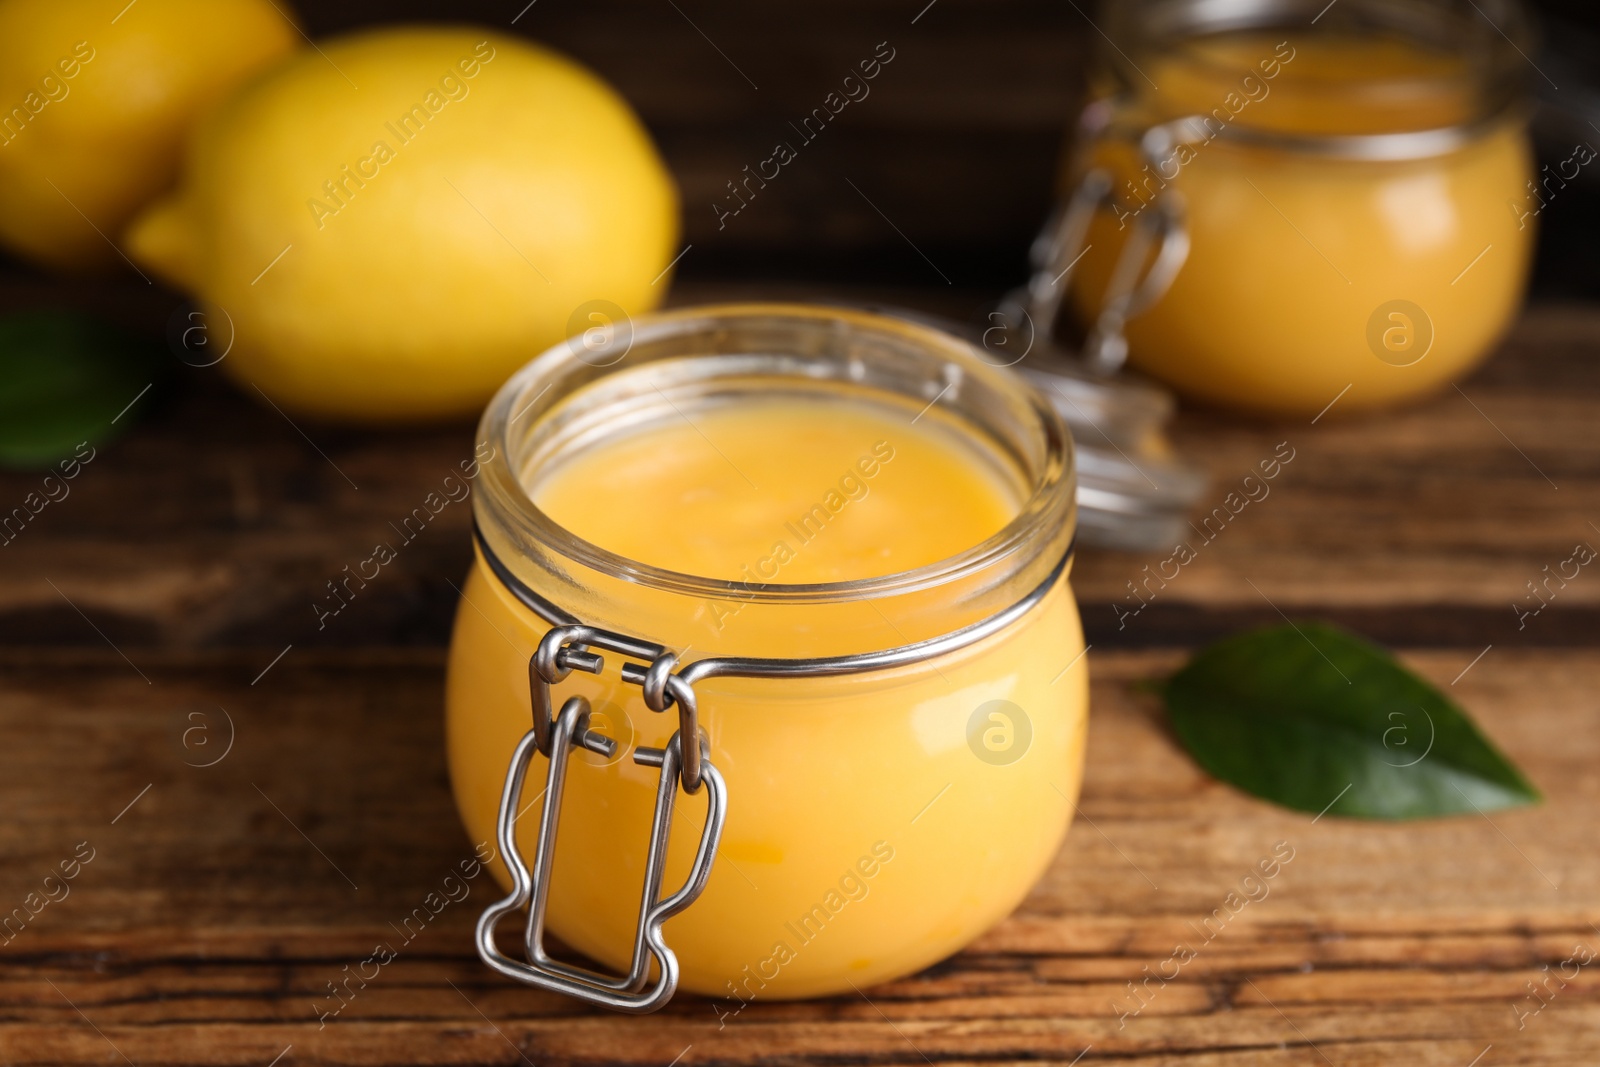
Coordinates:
(897, 757)
(1352, 180)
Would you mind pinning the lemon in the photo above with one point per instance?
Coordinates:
(96, 97)
(395, 223)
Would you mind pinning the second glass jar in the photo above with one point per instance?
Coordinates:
(1355, 185)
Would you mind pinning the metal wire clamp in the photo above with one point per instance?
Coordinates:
(1144, 269)
(567, 647)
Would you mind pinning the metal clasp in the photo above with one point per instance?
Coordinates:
(684, 761)
(1138, 278)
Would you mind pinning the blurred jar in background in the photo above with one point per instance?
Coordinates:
(1353, 180)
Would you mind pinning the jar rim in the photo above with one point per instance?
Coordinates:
(1499, 75)
(1045, 514)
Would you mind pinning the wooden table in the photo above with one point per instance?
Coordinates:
(165, 606)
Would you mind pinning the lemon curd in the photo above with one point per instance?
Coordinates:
(1352, 207)
(790, 490)
(876, 821)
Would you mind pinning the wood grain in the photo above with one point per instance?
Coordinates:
(171, 592)
(217, 525)
(206, 926)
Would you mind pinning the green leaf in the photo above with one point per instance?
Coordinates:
(64, 378)
(1301, 715)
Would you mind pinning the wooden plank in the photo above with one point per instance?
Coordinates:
(214, 524)
(206, 926)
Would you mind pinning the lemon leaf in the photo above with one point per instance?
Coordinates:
(65, 379)
(1316, 719)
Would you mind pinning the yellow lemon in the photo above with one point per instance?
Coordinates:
(394, 223)
(96, 98)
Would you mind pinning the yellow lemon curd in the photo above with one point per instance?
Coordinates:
(876, 822)
(1310, 274)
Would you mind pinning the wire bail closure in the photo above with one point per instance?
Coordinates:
(686, 763)
(1137, 280)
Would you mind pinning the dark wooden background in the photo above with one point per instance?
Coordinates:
(958, 143)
